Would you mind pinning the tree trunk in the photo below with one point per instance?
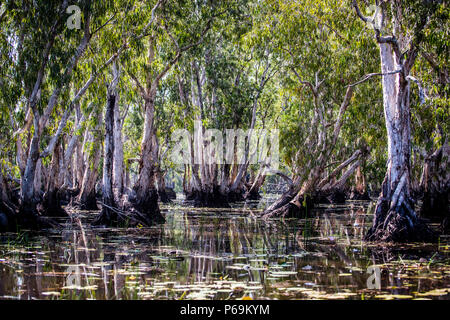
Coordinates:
(162, 194)
(118, 166)
(108, 215)
(359, 192)
(146, 195)
(52, 204)
(395, 217)
(7, 209)
(253, 192)
(27, 191)
(87, 199)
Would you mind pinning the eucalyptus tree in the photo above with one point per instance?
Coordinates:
(44, 54)
(430, 119)
(400, 28)
(177, 28)
(220, 85)
(324, 72)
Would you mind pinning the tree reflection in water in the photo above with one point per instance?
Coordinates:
(211, 254)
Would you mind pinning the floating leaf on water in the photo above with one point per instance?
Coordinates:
(282, 274)
(51, 293)
(393, 296)
(435, 292)
(74, 287)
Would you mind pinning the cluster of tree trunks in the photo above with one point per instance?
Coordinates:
(208, 180)
(75, 179)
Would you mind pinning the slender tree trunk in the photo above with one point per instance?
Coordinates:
(108, 214)
(118, 165)
(87, 199)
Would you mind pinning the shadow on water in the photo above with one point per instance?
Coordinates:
(217, 254)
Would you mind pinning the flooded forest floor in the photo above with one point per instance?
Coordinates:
(222, 254)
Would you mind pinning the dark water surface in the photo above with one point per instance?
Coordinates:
(222, 254)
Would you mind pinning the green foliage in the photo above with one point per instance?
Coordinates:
(231, 43)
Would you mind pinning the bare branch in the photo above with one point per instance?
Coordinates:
(138, 84)
(359, 13)
(103, 25)
(339, 168)
(370, 75)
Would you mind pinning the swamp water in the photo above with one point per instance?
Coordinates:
(222, 254)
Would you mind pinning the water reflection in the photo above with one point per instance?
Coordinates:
(220, 255)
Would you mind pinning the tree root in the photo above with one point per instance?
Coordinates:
(115, 217)
(145, 208)
(398, 224)
(292, 209)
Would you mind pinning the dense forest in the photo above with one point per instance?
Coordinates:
(96, 96)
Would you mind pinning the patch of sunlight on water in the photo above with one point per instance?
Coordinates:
(222, 254)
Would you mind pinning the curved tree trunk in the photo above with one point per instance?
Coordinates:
(253, 192)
